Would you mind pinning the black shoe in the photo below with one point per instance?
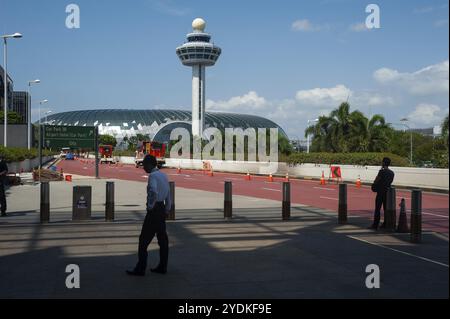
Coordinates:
(159, 270)
(3, 214)
(373, 227)
(135, 273)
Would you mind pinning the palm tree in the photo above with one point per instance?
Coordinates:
(444, 128)
(345, 131)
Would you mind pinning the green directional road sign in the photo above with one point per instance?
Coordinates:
(69, 136)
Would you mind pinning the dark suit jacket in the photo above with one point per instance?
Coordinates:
(383, 181)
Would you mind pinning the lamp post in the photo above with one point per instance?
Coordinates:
(5, 89)
(37, 81)
(307, 136)
(40, 138)
(47, 113)
(410, 139)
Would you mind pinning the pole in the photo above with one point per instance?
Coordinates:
(5, 91)
(390, 215)
(171, 215)
(109, 206)
(96, 151)
(45, 202)
(307, 144)
(416, 216)
(286, 206)
(40, 149)
(411, 145)
(29, 116)
(342, 206)
(228, 200)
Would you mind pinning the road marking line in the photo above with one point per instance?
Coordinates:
(330, 198)
(325, 189)
(435, 215)
(271, 189)
(400, 251)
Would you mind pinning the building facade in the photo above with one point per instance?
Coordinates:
(20, 105)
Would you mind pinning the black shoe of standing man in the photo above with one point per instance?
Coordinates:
(135, 273)
(3, 214)
(159, 270)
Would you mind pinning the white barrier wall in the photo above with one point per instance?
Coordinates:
(427, 178)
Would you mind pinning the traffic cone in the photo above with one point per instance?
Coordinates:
(286, 179)
(179, 169)
(358, 182)
(322, 179)
(402, 226)
(270, 178)
(248, 177)
(211, 172)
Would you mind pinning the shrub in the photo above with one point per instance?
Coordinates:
(360, 159)
(18, 154)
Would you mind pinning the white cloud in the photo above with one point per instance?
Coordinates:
(324, 96)
(426, 114)
(432, 79)
(358, 27)
(246, 102)
(304, 25)
(441, 23)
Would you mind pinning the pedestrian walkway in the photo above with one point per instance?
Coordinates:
(254, 255)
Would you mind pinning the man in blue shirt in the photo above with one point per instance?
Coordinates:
(158, 206)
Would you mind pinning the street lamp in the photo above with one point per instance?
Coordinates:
(307, 136)
(410, 137)
(40, 138)
(37, 81)
(5, 89)
(47, 113)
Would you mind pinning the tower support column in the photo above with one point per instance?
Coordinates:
(198, 99)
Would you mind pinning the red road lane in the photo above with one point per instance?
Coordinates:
(435, 206)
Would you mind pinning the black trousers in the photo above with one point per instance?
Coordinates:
(380, 200)
(154, 224)
(2, 197)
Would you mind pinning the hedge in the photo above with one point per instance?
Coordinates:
(360, 159)
(18, 154)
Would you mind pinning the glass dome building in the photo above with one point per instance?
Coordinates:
(155, 123)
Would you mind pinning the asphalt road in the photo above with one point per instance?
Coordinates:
(435, 206)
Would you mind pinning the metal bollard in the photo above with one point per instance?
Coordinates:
(45, 202)
(171, 215)
(342, 206)
(416, 216)
(286, 207)
(109, 206)
(228, 200)
(390, 215)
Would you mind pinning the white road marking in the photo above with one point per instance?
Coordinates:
(271, 189)
(435, 215)
(400, 251)
(325, 189)
(330, 198)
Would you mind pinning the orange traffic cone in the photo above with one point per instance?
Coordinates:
(286, 179)
(402, 226)
(270, 178)
(179, 170)
(248, 177)
(322, 179)
(358, 182)
(211, 172)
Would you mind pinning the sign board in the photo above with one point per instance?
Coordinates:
(69, 136)
(336, 172)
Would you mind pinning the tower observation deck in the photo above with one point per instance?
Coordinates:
(198, 52)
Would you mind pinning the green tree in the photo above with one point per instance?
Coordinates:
(107, 140)
(13, 117)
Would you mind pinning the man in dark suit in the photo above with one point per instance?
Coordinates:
(158, 206)
(381, 185)
(3, 172)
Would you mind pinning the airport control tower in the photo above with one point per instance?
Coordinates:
(198, 52)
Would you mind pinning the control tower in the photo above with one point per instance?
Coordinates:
(198, 52)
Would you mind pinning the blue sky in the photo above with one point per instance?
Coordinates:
(287, 60)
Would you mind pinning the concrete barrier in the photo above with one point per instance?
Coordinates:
(27, 165)
(424, 178)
